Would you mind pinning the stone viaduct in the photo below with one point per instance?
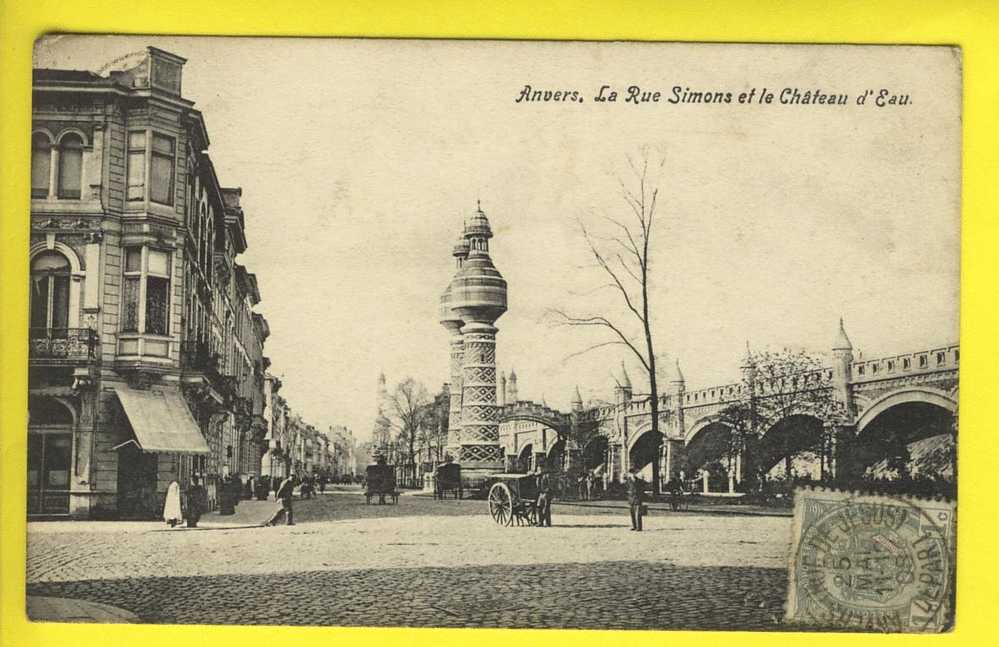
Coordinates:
(912, 396)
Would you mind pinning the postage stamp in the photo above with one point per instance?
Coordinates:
(871, 562)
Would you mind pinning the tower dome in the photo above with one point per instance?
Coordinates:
(478, 291)
(461, 248)
(477, 225)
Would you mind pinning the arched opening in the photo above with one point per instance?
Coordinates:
(595, 453)
(41, 165)
(792, 448)
(556, 456)
(707, 452)
(908, 440)
(50, 456)
(524, 457)
(50, 283)
(70, 166)
(643, 451)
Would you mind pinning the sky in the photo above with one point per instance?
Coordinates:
(359, 160)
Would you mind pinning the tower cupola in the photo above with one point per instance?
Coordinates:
(478, 291)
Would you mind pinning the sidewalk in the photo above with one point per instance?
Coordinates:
(46, 609)
(727, 509)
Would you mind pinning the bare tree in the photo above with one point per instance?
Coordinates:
(625, 257)
(408, 404)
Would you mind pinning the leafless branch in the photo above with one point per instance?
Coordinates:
(602, 322)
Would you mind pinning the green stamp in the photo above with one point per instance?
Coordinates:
(871, 562)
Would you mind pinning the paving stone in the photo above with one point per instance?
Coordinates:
(427, 563)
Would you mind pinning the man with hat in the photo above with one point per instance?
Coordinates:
(636, 491)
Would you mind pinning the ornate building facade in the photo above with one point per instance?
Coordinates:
(146, 359)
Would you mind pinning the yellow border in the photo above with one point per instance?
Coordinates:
(971, 24)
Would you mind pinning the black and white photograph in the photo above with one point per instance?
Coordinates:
(493, 333)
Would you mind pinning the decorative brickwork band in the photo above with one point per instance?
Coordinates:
(479, 413)
(454, 404)
(481, 454)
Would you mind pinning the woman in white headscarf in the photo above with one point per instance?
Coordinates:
(171, 509)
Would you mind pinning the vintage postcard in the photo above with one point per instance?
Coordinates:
(427, 333)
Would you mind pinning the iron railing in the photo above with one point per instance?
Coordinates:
(78, 344)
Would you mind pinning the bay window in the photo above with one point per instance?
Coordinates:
(160, 150)
(146, 291)
(161, 170)
(136, 165)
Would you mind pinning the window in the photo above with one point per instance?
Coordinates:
(41, 165)
(161, 170)
(133, 276)
(50, 293)
(136, 166)
(70, 166)
(146, 291)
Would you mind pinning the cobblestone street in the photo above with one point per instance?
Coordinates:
(426, 563)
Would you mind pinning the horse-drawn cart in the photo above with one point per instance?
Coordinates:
(513, 499)
(447, 479)
(380, 482)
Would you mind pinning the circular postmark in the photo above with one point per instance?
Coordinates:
(874, 562)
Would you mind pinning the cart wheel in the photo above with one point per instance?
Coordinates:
(501, 504)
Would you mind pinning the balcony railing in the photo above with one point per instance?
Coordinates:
(76, 344)
(195, 355)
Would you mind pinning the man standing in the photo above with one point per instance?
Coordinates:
(636, 490)
(285, 494)
(544, 503)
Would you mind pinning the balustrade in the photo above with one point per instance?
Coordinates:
(77, 344)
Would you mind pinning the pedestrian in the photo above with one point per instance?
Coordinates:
(675, 489)
(227, 504)
(197, 501)
(285, 494)
(322, 483)
(171, 507)
(589, 485)
(636, 492)
(543, 505)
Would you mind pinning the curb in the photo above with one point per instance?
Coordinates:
(51, 609)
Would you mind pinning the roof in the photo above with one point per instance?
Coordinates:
(71, 76)
(161, 421)
(842, 341)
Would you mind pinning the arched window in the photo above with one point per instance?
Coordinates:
(50, 293)
(70, 166)
(41, 165)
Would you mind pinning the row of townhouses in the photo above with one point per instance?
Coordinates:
(146, 357)
(295, 446)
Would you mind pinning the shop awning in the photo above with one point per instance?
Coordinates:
(161, 421)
